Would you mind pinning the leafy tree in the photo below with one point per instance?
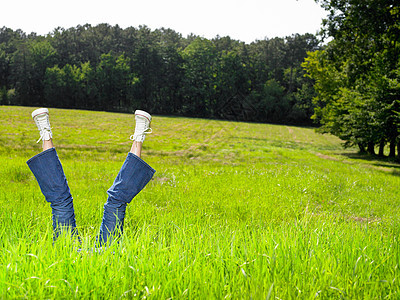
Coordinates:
(355, 100)
(9, 40)
(231, 80)
(300, 98)
(299, 89)
(30, 63)
(114, 81)
(200, 61)
(54, 87)
(271, 103)
(266, 61)
(297, 47)
(171, 72)
(147, 64)
(4, 75)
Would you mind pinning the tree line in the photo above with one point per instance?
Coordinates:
(108, 68)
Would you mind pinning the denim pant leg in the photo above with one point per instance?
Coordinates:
(49, 173)
(131, 179)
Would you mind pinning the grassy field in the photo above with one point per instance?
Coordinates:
(235, 211)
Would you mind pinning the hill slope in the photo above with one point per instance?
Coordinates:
(235, 210)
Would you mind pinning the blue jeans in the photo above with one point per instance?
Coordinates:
(131, 179)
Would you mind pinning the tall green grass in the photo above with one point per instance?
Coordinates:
(235, 210)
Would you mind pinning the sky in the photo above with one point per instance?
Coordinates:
(245, 20)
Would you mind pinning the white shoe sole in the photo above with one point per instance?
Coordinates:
(39, 112)
(143, 114)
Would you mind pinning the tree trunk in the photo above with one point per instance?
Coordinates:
(392, 148)
(398, 150)
(362, 148)
(382, 148)
(371, 148)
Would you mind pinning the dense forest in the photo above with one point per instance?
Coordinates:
(108, 68)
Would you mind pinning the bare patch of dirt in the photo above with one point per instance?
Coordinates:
(327, 157)
(291, 132)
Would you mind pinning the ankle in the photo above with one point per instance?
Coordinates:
(137, 148)
(47, 144)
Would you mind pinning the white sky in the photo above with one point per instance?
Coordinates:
(245, 20)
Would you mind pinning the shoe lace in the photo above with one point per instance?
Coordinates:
(144, 131)
(44, 126)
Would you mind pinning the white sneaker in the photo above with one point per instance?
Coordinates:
(41, 118)
(143, 120)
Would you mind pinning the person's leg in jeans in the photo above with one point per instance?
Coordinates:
(131, 179)
(47, 169)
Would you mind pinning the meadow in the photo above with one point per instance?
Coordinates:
(234, 211)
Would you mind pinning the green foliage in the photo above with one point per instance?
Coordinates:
(4, 67)
(235, 210)
(158, 70)
(272, 104)
(108, 86)
(114, 82)
(231, 78)
(356, 73)
(200, 68)
(67, 85)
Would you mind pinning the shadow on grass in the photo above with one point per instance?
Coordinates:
(377, 161)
